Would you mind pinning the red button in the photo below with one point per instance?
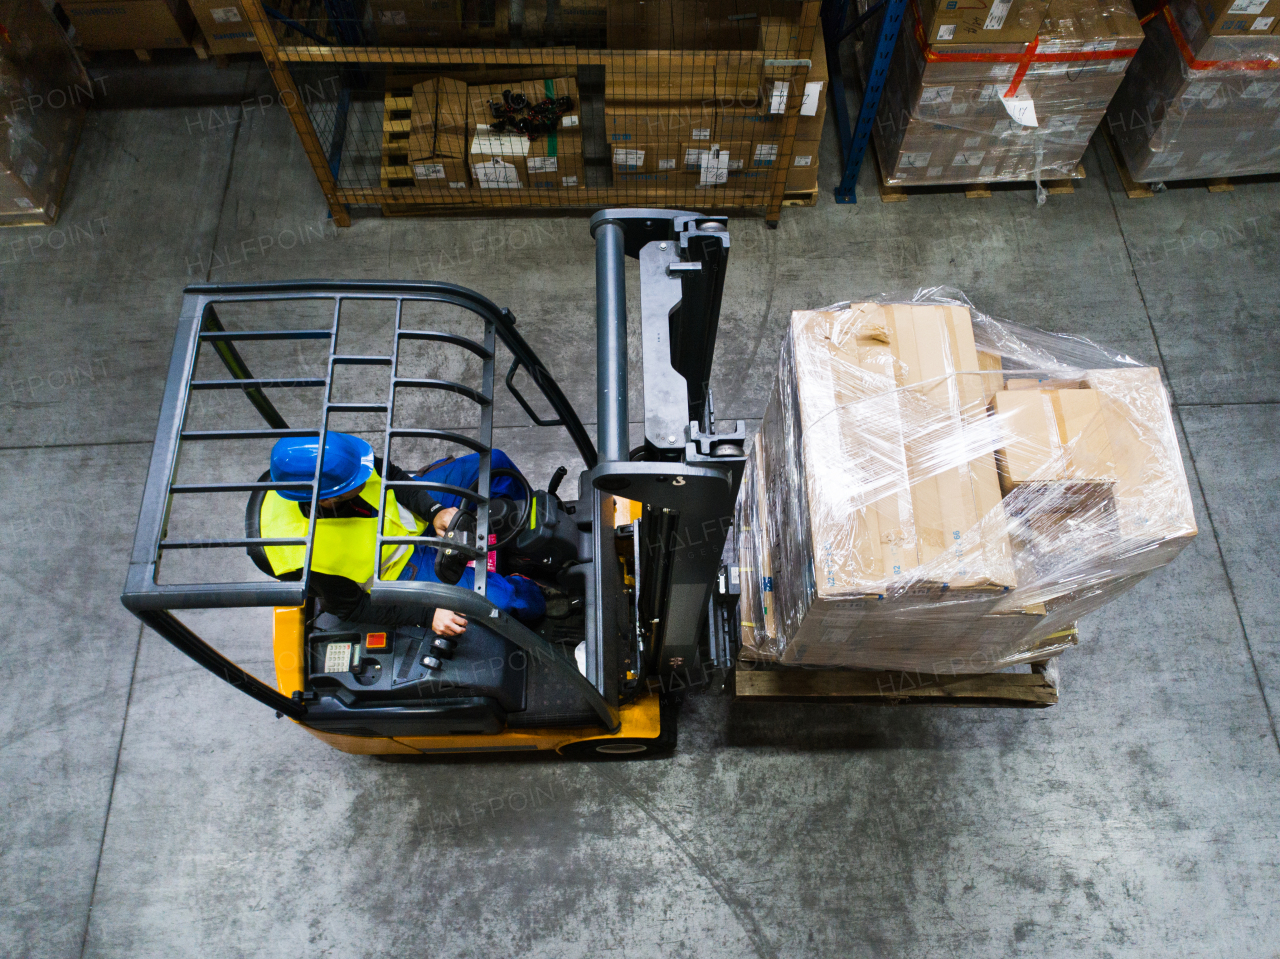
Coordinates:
(375, 641)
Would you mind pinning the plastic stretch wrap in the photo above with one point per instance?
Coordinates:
(1196, 105)
(933, 489)
(970, 112)
(42, 89)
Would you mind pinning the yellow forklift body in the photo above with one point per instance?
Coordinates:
(640, 719)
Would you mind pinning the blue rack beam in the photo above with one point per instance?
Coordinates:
(854, 141)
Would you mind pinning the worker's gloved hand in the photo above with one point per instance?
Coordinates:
(452, 563)
(446, 622)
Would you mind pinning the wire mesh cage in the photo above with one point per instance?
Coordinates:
(423, 106)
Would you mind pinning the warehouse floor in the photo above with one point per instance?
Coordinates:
(152, 810)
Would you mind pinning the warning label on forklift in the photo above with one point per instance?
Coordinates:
(337, 657)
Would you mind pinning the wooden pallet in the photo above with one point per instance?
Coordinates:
(1035, 689)
(1136, 190)
(974, 191)
(800, 197)
(756, 680)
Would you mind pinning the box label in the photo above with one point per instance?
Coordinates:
(803, 161)
(1021, 109)
(542, 165)
(568, 181)
(225, 14)
(701, 133)
(428, 171)
(628, 158)
(569, 121)
(969, 159)
(778, 99)
(914, 160)
(996, 16)
(1248, 6)
(669, 164)
(393, 18)
(765, 154)
(715, 168)
(1263, 23)
(496, 175)
(987, 171)
(812, 98)
(1259, 90)
(947, 31)
(971, 142)
(936, 95)
(457, 185)
(23, 202)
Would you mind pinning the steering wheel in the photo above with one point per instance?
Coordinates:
(528, 500)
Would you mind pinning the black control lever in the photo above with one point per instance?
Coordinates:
(556, 478)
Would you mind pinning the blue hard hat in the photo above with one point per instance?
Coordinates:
(348, 463)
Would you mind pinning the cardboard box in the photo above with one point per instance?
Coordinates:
(984, 21)
(635, 123)
(426, 23)
(714, 162)
(668, 81)
(764, 153)
(641, 25)
(225, 26)
(130, 24)
(803, 174)
(438, 135)
(481, 98)
(1054, 435)
(656, 156)
(512, 161)
(747, 123)
(813, 109)
(1226, 18)
(738, 79)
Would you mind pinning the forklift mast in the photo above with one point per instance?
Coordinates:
(687, 471)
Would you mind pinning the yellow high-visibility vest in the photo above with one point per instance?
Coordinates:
(342, 547)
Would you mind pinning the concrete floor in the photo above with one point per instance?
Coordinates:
(151, 810)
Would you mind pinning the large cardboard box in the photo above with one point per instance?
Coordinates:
(646, 122)
(438, 135)
(984, 21)
(130, 24)
(803, 173)
(225, 26)
(402, 23)
(665, 80)
(709, 160)
(1226, 18)
(651, 156)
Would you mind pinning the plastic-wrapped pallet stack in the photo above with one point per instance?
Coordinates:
(935, 490)
(1009, 91)
(43, 89)
(1202, 98)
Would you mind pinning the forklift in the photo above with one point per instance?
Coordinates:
(654, 596)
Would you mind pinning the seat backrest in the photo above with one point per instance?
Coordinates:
(253, 526)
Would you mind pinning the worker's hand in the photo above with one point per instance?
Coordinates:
(448, 623)
(441, 522)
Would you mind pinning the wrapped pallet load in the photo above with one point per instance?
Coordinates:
(1012, 92)
(935, 490)
(1203, 96)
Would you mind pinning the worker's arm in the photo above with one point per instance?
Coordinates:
(417, 499)
(345, 599)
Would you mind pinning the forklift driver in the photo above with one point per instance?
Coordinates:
(342, 560)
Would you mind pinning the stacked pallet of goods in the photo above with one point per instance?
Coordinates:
(712, 118)
(43, 88)
(1202, 98)
(933, 490)
(524, 135)
(998, 91)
